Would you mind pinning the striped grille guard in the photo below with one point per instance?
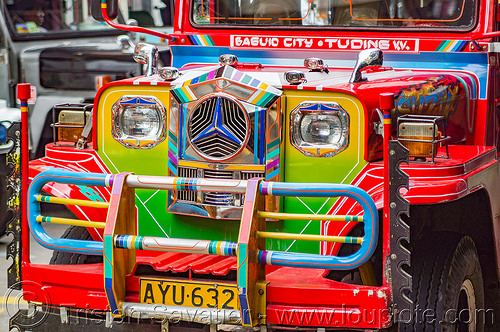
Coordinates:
(250, 252)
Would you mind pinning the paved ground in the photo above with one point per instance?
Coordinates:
(9, 300)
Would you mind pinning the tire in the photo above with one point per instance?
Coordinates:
(63, 257)
(447, 285)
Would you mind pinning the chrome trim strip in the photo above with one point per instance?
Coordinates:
(197, 315)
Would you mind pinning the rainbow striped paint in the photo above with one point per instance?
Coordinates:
(201, 40)
(262, 94)
(452, 46)
(219, 248)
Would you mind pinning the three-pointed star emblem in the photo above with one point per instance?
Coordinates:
(217, 128)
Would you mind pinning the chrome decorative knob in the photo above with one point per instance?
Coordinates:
(169, 73)
(295, 77)
(228, 60)
(315, 64)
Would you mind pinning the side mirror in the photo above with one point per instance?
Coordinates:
(112, 8)
(366, 59)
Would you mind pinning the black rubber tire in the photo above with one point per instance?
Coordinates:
(445, 267)
(63, 257)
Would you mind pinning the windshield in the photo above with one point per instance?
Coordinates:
(411, 14)
(46, 17)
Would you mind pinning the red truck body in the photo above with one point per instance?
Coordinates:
(328, 168)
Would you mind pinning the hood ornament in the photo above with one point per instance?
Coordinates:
(147, 54)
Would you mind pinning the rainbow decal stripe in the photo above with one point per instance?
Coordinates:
(172, 153)
(201, 40)
(24, 107)
(263, 94)
(387, 118)
(108, 274)
(185, 184)
(242, 283)
(452, 46)
(219, 248)
(273, 159)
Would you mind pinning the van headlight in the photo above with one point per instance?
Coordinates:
(139, 122)
(319, 129)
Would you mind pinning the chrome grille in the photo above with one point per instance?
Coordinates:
(217, 174)
(185, 195)
(209, 198)
(218, 128)
(249, 175)
(218, 198)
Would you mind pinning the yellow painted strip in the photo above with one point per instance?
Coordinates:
(307, 237)
(295, 216)
(70, 201)
(72, 222)
(219, 248)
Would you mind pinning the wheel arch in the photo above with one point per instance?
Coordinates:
(470, 215)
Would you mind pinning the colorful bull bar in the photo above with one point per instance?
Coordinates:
(121, 240)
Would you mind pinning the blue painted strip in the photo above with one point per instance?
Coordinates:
(474, 63)
(460, 46)
(213, 248)
(172, 146)
(255, 83)
(273, 174)
(172, 167)
(212, 43)
(192, 40)
(370, 219)
(244, 311)
(273, 154)
(140, 242)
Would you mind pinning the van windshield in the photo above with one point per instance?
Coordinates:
(50, 17)
(400, 14)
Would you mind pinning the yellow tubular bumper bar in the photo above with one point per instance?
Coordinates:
(72, 222)
(70, 201)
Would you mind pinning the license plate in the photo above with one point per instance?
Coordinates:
(189, 294)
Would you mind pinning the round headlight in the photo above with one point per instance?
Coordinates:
(139, 122)
(321, 129)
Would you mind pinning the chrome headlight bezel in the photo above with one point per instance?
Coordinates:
(149, 106)
(331, 116)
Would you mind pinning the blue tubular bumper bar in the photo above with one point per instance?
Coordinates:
(354, 260)
(67, 177)
(361, 256)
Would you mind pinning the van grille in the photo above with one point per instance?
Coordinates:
(218, 128)
(210, 198)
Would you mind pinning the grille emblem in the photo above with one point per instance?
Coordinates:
(218, 128)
